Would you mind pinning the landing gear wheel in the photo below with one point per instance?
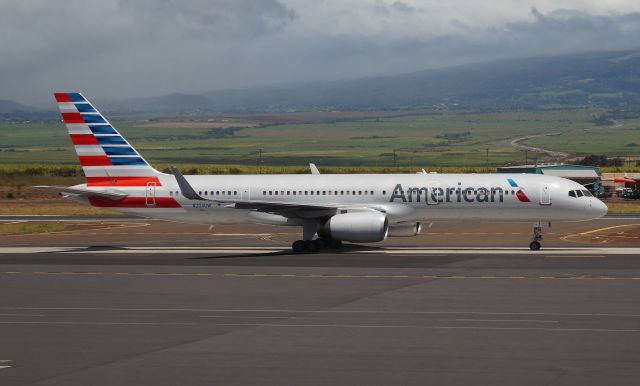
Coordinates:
(335, 244)
(313, 246)
(537, 236)
(299, 246)
(322, 243)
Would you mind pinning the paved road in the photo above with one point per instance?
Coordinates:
(139, 302)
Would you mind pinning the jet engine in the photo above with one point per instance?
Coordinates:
(356, 227)
(405, 230)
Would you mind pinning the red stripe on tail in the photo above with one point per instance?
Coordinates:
(121, 181)
(62, 97)
(94, 160)
(84, 139)
(72, 118)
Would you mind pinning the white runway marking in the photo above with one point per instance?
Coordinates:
(547, 252)
(4, 364)
(298, 311)
(431, 327)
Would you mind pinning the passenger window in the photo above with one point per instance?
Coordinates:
(217, 192)
(306, 192)
(354, 192)
(271, 192)
(223, 192)
(335, 192)
(294, 192)
(587, 193)
(578, 193)
(384, 192)
(276, 192)
(342, 192)
(312, 192)
(288, 192)
(235, 192)
(372, 192)
(324, 192)
(317, 192)
(359, 192)
(572, 193)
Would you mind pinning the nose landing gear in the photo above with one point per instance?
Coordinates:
(537, 236)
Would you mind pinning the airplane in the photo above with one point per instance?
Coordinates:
(330, 209)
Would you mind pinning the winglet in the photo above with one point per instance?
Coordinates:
(314, 169)
(186, 189)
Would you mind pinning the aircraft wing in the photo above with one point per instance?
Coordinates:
(288, 209)
(110, 195)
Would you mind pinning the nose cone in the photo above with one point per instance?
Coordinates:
(598, 208)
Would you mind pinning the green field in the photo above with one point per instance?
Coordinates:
(426, 140)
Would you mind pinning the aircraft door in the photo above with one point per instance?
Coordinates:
(434, 193)
(545, 195)
(244, 194)
(150, 195)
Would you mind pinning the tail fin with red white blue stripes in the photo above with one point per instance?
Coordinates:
(106, 157)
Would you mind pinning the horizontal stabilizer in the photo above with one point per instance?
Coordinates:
(110, 194)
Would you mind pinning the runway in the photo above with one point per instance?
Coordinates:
(92, 306)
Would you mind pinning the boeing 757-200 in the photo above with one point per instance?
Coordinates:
(329, 208)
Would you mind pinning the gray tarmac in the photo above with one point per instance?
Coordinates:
(165, 304)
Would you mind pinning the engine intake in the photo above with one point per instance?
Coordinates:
(357, 227)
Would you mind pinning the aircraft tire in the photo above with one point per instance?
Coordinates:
(313, 246)
(534, 246)
(299, 246)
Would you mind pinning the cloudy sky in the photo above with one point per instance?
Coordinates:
(131, 48)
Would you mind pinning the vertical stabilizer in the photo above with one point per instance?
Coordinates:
(106, 157)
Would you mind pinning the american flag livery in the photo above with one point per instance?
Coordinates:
(107, 159)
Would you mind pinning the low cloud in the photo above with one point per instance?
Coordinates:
(143, 47)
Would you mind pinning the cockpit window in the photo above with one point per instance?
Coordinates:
(578, 193)
(587, 193)
(572, 193)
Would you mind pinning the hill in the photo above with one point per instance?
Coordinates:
(9, 106)
(610, 80)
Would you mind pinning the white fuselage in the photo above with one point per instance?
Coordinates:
(403, 197)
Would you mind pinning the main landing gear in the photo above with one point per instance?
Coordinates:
(537, 236)
(301, 246)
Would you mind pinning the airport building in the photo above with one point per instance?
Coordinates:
(581, 174)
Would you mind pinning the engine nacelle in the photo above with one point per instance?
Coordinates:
(357, 227)
(404, 230)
